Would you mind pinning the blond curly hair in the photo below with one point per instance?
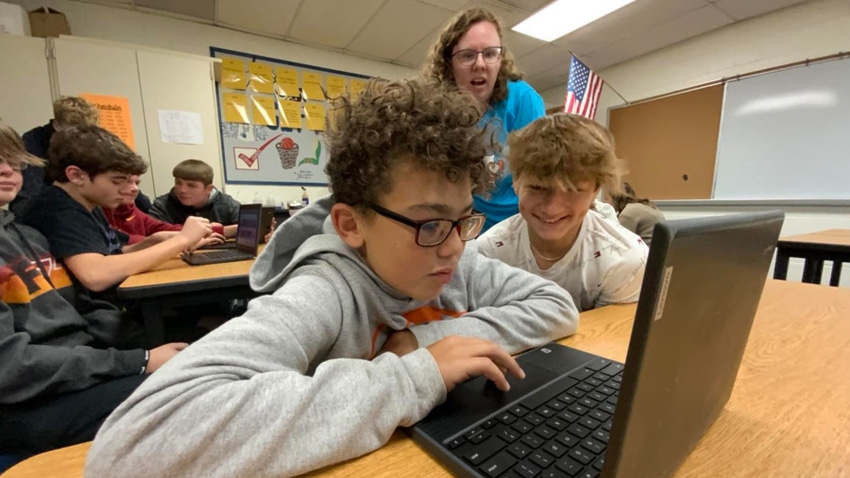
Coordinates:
(73, 110)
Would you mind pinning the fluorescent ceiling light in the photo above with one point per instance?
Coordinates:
(564, 16)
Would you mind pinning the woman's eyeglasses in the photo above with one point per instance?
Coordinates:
(434, 232)
(468, 57)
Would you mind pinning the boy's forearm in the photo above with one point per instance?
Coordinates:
(148, 241)
(230, 231)
(98, 272)
(221, 407)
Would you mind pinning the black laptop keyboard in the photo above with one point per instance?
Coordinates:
(561, 430)
(221, 255)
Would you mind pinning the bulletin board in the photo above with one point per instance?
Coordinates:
(272, 114)
(670, 143)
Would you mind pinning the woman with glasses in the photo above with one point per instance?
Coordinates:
(470, 54)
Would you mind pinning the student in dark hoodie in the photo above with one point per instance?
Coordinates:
(193, 194)
(59, 376)
(376, 305)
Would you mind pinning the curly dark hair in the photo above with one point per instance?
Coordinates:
(438, 66)
(391, 121)
(92, 149)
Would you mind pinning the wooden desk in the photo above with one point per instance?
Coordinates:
(176, 283)
(787, 417)
(830, 245)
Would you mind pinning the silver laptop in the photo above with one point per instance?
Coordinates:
(580, 415)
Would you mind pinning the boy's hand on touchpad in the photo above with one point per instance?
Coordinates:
(462, 358)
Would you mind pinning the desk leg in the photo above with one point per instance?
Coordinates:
(780, 268)
(813, 271)
(154, 324)
(835, 277)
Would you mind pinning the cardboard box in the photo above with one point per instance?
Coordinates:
(47, 22)
(13, 20)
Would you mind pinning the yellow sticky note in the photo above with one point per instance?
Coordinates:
(336, 86)
(235, 107)
(286, 82)
(290, 113)
(232, 73)
(262, 80)
(315, 114)
(355, 86)
(263, 110)
(313, 86)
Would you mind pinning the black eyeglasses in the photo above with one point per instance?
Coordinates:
(490, 54)
(434, 232)
(15, 165)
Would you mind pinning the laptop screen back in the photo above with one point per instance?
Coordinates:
(703, 282)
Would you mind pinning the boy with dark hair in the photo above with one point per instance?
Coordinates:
(374, 309)
(559, 163)
(193, 194)
(60, 376)
(91, 165)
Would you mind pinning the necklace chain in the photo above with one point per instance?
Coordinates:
(550, 259)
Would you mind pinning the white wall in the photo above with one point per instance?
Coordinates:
(128, 26)
(809, 30)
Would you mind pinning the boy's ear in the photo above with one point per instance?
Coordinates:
(348, 224)
(75, 175)
(209, 188)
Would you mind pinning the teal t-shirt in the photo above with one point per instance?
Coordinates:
(522, 106)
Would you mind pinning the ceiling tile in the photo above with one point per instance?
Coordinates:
(398, 25)
(550, 79)
(696, 23)
(543, 59)
(204, 9)
(628, 22)
(740, 10)
(451, 5)
(332, 23)
(416, 55)
(242, 14)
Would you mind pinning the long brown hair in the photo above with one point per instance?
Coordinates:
(11, 146)
(439, 63)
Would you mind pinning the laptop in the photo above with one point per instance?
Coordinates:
(247, 240)
(266, 217)
(580, 415)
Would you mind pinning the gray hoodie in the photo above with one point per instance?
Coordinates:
(294, 384)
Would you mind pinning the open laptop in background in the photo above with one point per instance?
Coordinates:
(266, 217)
(580, 415)
(247, 240)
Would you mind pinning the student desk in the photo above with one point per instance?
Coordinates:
(830, 245)
(177, 283)
(787, 416)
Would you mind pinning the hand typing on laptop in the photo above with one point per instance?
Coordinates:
(460, 358)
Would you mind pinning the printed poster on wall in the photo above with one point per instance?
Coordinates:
(272, 115)
(114, 112)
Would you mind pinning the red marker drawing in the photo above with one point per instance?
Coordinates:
(253, 159)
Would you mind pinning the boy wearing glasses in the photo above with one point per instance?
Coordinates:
(374, 310)
(559, 162)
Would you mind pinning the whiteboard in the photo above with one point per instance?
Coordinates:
(786, 135)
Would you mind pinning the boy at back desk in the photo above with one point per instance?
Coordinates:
(91, 166)
(193, 194)
(375, 308)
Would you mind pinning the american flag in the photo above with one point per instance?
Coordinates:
(583, 89)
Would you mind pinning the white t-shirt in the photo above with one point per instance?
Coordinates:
(604, 266)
